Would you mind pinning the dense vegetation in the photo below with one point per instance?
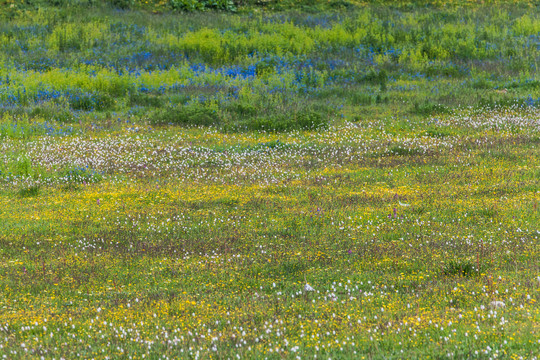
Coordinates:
(261, 181)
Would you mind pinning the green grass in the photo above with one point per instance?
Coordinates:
(171, 182)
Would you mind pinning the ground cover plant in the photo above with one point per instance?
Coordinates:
(264, 181)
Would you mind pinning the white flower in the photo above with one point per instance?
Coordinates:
(308, 287)
(497, 304)
(402, 204)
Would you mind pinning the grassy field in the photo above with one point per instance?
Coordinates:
(361, 182)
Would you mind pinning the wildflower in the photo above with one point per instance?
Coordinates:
(497, 304)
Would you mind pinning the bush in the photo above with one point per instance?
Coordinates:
(242, 109)
(428, 108)
(311, 120)
(191, 115)
(376, 77)
(90, 101)
(122, 4)
(198, 5)
(243, 115)
(283, 122)
(360, 98)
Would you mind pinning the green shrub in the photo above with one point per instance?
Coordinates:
(360, 98)
(198, 5)
(306, 120)
(428, 108)
(188, 115)
(311, 120)
(91, 101)
(242, 109)
(381, 99)
(376, 77)
(122, 4)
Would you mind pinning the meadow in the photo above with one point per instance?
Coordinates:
(269, 179)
